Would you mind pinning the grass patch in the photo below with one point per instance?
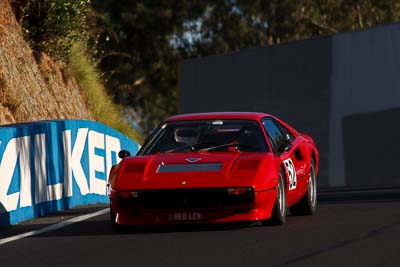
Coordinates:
(101, 105)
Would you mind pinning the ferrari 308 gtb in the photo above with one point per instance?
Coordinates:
(213, 168)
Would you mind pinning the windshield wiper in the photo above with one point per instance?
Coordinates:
(236, 144)
(183, 146)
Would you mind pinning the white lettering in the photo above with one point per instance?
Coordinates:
(25, 171)
(16, 147)
(96, 163)
(40, 168)
(44, 192)
(112, 145)
(7, 167)
(72, 162)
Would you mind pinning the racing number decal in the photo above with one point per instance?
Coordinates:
(291, 173)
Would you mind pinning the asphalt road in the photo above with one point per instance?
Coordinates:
(355, 228)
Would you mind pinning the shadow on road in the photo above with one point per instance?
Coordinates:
(101, 225)
(359, 196)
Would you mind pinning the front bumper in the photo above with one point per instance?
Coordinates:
(258, 206)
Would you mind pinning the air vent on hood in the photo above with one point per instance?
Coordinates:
(194, 167)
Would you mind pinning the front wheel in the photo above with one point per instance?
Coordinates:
(278, 216)
(308, 203)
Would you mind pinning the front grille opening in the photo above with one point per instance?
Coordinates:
(186, 198)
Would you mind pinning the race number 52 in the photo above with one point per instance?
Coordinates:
(291, 173)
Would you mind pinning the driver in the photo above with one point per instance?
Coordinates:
(186, 135)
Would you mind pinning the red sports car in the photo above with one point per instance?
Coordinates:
(216, 167)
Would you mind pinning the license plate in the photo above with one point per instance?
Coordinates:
(186, 216)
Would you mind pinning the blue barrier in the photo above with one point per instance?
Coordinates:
(47, 166)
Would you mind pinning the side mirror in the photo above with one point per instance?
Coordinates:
(123, 154)
(286, 146)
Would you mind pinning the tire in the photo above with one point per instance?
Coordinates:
(308, 203)
(278, 216)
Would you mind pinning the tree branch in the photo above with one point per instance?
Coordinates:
(359, 16)
(318, 24)
(306, 17)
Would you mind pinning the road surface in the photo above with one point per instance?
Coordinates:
(351, 228)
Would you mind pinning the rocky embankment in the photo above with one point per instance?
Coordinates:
(33, 86)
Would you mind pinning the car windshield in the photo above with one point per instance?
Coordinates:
(206, 136)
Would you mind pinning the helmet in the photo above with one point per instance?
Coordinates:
(186, 135)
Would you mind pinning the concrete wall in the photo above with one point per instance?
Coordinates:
(365, 80)
(316, 85)
(370, 137)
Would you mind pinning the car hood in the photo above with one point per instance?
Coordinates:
(177, 170)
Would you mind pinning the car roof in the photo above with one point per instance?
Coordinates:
(218, 115)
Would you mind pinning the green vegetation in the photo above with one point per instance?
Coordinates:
(53, 25)
(139, 44)
(101, 105)
(60, 28)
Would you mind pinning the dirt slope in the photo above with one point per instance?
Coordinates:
(33, 87)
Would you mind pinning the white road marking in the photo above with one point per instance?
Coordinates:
(54, 226)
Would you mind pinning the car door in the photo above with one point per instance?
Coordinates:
(288, 148)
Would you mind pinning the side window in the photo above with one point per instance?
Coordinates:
(274, 132)
(285, 131)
